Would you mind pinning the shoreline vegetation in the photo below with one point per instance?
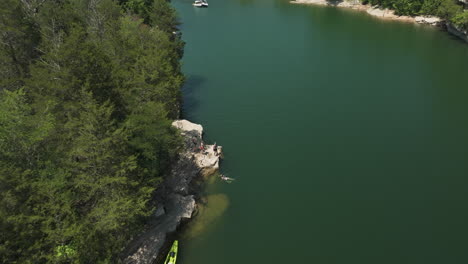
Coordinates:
(88, 92)
(443, 13)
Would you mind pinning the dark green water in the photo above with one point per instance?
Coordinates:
(348, 136)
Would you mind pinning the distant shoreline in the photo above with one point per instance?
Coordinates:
(388, 14)
(375, 11)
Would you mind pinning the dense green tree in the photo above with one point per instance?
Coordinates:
(22, 130)
(22, 136)
(150, 72)
(461, 19)
(163, 16)
(18, 40)
(104, 188)
(62, 72)
(408, 7)
(152, 136)
(87, 91)
(430, 7)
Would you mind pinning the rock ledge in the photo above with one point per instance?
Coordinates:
(174, 196)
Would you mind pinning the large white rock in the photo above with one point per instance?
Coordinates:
(430, 20)
(208, 158)
(187, 126)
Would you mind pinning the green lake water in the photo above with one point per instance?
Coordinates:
(347, 136)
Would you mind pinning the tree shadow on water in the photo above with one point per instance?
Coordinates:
(191, 86)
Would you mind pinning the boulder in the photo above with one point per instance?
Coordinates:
(187, 126)
(429, 20)
(159, 211)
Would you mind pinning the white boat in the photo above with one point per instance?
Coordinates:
(200, 3)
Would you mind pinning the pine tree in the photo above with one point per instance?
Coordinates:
(22, 137)
(86, 93)
(106, 196)
(18, 40)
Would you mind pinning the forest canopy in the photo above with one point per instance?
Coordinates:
(88, 89)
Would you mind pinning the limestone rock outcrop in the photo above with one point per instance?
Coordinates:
(429, 20)
(175, 197)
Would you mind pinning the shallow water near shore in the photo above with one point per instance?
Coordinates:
(347, 135)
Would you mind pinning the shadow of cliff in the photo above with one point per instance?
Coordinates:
(189, 101)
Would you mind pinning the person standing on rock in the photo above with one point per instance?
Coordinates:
(215, 149)
(194, 142)
(202, 146)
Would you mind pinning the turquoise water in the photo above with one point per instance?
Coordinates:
(348, 136)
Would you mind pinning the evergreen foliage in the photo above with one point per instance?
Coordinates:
(87, 92)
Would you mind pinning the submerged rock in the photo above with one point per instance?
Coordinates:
(211, 210)
(174, 196)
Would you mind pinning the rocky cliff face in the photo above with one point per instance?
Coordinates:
(463, 34)
(175, 197)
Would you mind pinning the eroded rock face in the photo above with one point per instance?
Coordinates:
(463, 34)
(146, 247)
(174, 195)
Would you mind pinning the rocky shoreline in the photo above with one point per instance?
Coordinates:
(374, 11)
(463, 34)
(176, 197)
(388, 14)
